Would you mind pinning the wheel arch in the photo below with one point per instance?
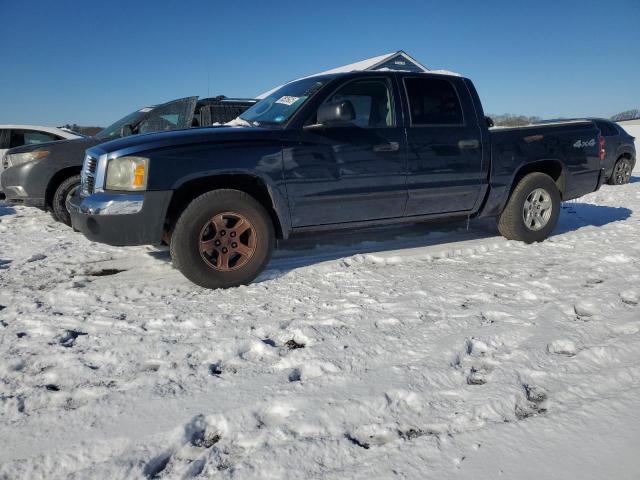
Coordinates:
(552, 167)
(267, 195)
(59, 177)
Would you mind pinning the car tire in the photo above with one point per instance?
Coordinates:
(62, 195)
(224, 238)
(621, 171)
(532, 210)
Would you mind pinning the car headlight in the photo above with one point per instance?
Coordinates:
(127, 173)
(15, 159)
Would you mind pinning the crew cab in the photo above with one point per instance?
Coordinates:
(342, 150)
(47, 174)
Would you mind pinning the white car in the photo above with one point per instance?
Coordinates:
(17, 135)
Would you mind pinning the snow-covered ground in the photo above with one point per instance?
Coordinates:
(415, 352)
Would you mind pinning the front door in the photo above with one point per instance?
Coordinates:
(354, 171)
(444, 148)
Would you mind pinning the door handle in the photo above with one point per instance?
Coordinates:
(462, 144)
(387, 147)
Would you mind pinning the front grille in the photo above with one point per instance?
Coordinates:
(91, 165)
(88, 178)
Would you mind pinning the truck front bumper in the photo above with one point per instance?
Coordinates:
(121, 218)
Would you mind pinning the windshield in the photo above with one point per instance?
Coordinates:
(280, 105)
(114, 131)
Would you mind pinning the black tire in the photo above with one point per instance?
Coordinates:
(511, 222)
(621, 173)
(60, 197)
(198, 216)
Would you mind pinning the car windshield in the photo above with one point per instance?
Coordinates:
(275, 109)
(115, 130)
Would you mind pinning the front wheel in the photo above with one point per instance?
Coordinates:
(621, 172)
(224, 238)
(532, 211)
(61, 198)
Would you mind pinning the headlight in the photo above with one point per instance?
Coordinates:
(15, 159)
(127, 173)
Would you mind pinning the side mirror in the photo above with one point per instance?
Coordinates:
(340, 111)
(126, 130)
(489, 121)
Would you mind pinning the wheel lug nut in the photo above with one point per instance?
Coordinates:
(217, 242)
(234, 245)
(222, 233)
(224, 250)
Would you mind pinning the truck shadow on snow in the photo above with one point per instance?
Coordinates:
(5, 209)
(313, 248)
(310, 249)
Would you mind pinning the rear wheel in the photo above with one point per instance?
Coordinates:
(224, 238)
(61, 198)
(621, 172)
(532, 211)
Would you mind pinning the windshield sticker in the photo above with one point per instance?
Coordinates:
(287, 100)
(145, 110)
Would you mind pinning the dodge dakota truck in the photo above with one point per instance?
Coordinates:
(342, 150)
(46, 175)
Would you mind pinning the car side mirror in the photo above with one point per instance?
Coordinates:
(334, 113)
(126, 130)
(489, 121)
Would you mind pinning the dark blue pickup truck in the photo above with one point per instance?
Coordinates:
(334, 151)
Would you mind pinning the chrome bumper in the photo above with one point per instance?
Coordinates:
(109, 204)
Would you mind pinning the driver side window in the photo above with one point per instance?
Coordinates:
(166, 117)
(371, 100)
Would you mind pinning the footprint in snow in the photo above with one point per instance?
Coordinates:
(190, 456)
(477, 376)
(630, 297)
(562, 347)
(367, 436)
(535, 403)
(68, 338)
(585, 309)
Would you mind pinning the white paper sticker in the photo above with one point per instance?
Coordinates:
(287, 100)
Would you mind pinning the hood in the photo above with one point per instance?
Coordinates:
(174, 138)
(59, 145)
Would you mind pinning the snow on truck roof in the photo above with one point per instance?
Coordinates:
(399, 61)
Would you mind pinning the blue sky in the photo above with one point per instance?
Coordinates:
(92, 62)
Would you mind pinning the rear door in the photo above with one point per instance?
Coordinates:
(444, 146)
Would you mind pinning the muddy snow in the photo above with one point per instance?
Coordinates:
(429, 351)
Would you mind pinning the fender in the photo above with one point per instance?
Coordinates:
(500, 188)
(274, 190)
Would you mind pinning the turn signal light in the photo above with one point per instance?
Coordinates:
(138, 176)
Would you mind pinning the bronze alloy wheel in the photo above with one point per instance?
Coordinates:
(227, 241)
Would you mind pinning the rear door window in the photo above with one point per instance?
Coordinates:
(433, 101)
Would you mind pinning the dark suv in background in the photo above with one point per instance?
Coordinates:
(46, 175)
(620, 158)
